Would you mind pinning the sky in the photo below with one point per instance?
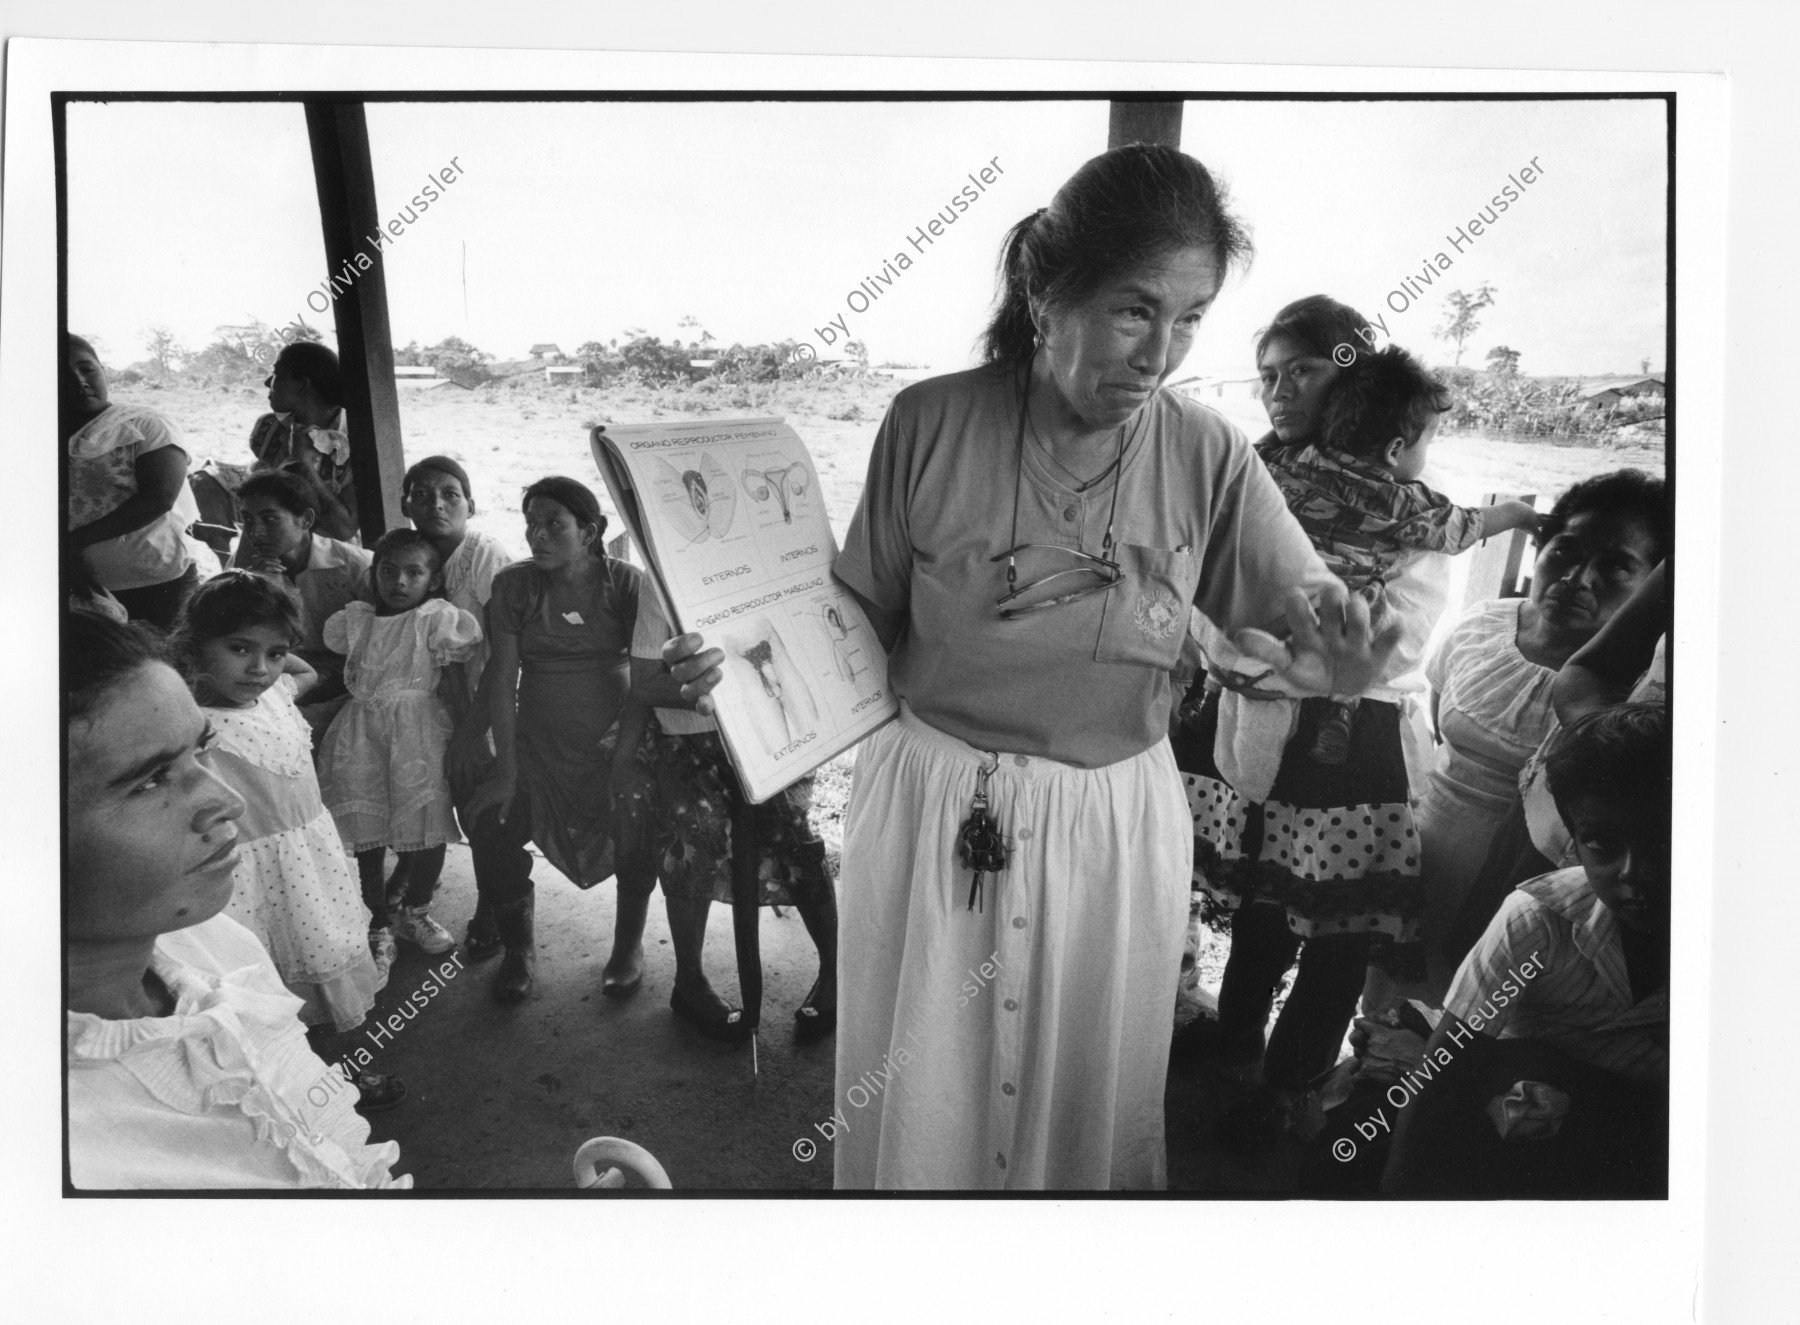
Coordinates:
(571, 222)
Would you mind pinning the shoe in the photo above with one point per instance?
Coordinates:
(611, 988)
(513, 981)
(382, 949)
(482, 940)
(376, 1091)
(811, 1022)
(714, 1022)
(415, 925)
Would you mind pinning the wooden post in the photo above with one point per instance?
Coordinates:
(346, 183)
(1144, 122)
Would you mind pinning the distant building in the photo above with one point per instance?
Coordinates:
(1218, 388)
(1605, 392)
(546, 350)
(574, 372)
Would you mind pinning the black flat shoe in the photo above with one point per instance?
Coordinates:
(611, 987)
(813, 1023)
(622, 988)
(715, 1023)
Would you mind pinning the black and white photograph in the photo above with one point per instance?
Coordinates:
(1279, 509)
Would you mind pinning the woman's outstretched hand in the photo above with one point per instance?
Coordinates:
(695, 669)
(1329, 650)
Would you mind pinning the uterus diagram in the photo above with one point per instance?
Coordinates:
(849, 658)
(782, 483)
(777, 698)
(699, 500)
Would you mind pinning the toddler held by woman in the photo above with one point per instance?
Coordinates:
(1357, 493)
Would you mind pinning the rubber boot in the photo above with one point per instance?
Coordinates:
(512, 982)
(482, 939)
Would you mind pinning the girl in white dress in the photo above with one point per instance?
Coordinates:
(293, 887)
(382, 761)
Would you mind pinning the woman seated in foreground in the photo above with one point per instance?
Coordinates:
(188, 1066)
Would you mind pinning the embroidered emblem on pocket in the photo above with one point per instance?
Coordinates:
(1156, 614)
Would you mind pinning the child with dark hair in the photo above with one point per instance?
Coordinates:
(293, 887)
(307, 434)
(1553, 1048)
(382, 760)
(279, 513)
(1357, 493)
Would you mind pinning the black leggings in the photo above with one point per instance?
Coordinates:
(1311, 1027)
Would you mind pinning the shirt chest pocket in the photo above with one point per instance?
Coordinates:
(1146, 615)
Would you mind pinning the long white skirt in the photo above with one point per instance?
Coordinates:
(1024, 1045)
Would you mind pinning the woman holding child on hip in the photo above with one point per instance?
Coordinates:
(1033, 652)
(1302, 806)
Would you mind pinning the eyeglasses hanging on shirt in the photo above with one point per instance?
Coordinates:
(1091, 574)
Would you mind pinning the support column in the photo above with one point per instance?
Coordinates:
(1144, 122)
(339, 132)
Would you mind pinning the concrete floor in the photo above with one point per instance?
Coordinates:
(500, 1098)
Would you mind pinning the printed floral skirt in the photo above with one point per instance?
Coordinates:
(1335, 844)
(690, 826)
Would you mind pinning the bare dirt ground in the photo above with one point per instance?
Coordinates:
(502, 1099)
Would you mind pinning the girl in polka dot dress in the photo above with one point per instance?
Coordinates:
(294, 887)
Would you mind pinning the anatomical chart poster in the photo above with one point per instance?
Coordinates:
(729, 515)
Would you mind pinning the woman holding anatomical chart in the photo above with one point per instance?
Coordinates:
(1028, 544)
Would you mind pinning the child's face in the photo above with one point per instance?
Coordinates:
(272, 529)
(1408, 462)
(437, 505)
(235, 669)
(1295, 385)
(406, 578)
(1625, 852)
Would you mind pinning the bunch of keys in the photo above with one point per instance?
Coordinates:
(979, 842)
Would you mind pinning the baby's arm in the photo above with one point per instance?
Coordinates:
(304, 674)
(1504, 515)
